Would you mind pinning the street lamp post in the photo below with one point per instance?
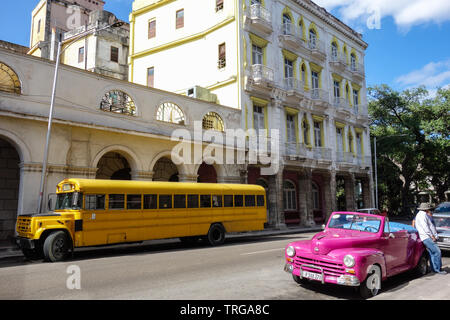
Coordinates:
(52, 105)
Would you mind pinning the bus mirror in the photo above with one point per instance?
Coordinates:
(51, 202)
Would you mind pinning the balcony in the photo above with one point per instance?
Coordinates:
(290, 37)
(320, 98)
(364, 162)
(342, 106)
(322, 155)
(317, 49)
(259, 77)
(294, 87)
(259, 18)
(357, 70)
(338, 62)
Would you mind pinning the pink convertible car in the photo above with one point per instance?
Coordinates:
(357, 249)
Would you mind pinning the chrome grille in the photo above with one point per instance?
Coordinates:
(329, 268)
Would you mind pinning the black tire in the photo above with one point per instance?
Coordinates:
(216, 234)
(56, 246)
(422, 266)
(368, 289)
(302, 281)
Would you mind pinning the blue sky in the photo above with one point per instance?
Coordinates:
(409, 40)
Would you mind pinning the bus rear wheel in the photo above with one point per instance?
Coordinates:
(56, 246)
(216, 234)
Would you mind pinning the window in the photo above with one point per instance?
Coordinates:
(355, 98)
(238, 201)
(260, 200)
(312, 39)
(286, 24)
(289, 196)
(317, 134)
(228, 200)
(179, 19)
(151, 77)
(152, 29)
(337, 89)
(305, 126)
(205, 201)
(133, 201)
(222, 56)
(179, 201)
(170, 112)
(165, 201)
(334, 50)
(114, 54)
(192, 200)
(257, 54)
(219, 5)
(315, 196)
(353, 61)
(9, 81)
(339, 138)
(288, 68)
(94, 202)
(250, 201)
(39, 26)
(217, 201)
(258, 118)
(315, 80)
(116, 201)
(358, 144)
(290, 124)
(81, 55)
(118, 102)
(150, 201)
(212, 121)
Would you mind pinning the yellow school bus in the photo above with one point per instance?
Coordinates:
(92, 212)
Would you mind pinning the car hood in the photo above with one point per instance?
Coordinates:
(329, 240)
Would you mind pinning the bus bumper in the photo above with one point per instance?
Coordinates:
(25, 243)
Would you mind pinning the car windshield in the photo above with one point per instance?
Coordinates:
(355, 222)
(69, 200)
(442, 222)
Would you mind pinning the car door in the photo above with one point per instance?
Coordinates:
(394, 243)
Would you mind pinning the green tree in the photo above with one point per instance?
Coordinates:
(412, 131)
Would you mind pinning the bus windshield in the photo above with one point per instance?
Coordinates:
(69, 200)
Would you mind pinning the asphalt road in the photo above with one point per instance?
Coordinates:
(242, 269)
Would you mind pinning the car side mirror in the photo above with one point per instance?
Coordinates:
(391, 235)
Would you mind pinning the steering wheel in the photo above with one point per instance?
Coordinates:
(370, 227)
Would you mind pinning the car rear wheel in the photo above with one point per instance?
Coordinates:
(372, 285)
(422, 266)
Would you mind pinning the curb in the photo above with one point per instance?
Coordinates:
(13, 251)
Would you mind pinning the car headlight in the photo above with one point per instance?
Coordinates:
(349, 261)
(290, 251)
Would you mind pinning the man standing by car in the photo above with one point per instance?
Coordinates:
(428, 235)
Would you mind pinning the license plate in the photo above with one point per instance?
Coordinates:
(312, 275)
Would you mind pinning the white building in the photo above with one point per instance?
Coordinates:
(286, 65)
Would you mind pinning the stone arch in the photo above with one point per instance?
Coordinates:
(182, 169)
(219, 169)
(9, 80)
(206, 173)
(113, 159)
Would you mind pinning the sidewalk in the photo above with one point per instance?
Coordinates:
(9, 250)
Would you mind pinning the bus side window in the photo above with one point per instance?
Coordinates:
(205, 201)
(116, 201)
(94, 202)
(260, 200)
(217, 201)
(179, 201)
(150, 201)
(165, 201)
(228, 200)
(249, 200)
(238, 200)
(134, 201)
(192, 200)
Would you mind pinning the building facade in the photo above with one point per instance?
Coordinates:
(287, 65)
(102, 128)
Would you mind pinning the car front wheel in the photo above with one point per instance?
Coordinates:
(372, 285)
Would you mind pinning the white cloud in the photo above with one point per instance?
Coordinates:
(406, 13)
(432, 75)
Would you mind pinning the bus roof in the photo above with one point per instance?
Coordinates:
(133, 186)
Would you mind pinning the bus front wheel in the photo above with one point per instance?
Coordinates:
(56, 246)
(216, 234)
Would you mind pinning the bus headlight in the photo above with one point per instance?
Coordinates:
(290, 251)
(349, 261)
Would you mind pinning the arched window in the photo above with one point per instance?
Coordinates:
(305, 128)
(9, 81)
(170, 112)
(213, 121)
(315, 196)
(303, 70)
(353, 61)
(118, 102)
(312, 38)
(286, 24)
(289, 196)
(334, 50)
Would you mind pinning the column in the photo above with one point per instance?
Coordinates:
(329, 190)
(305, 198)
(275, 200)
(350, 192)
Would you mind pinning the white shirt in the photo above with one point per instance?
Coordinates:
(424, 225)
